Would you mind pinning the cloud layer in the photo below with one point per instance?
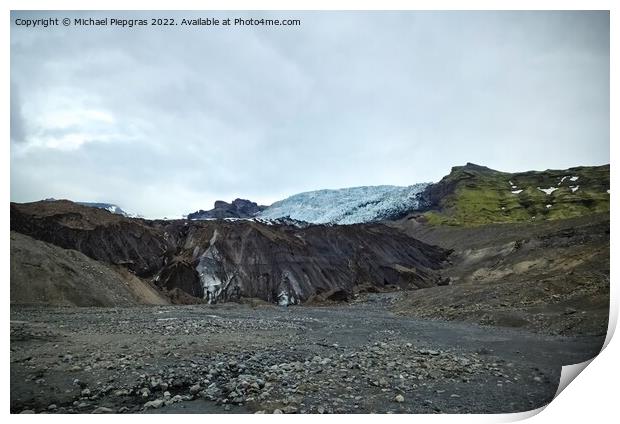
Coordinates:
(164, 121)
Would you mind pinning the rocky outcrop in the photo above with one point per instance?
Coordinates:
(239, 208)
(229, 260)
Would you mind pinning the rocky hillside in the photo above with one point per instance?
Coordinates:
(239, 208)
(42, 273)
(549, 276)
(228, 260)
(110, 207)
(475, 195)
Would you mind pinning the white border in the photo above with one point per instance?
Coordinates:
(592, 397)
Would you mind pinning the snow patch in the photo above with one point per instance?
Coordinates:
(574, 188)
(574, 178)
(213, 238)
(548, 206)
(547, 191)
(264, 221)
(516, 191)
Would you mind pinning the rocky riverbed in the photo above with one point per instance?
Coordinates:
(231, 358)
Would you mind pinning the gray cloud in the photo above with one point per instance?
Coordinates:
(18, 130)
(166, 121)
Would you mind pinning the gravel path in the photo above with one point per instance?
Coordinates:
(229, 358)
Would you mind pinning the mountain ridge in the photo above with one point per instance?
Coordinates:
(470, 195)
(221, 260)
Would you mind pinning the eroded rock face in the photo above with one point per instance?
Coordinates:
(224, 260)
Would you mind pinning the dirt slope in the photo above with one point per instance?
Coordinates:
(548, 276)
(42, 273)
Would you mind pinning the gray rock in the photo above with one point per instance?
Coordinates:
(102, 410)
(154, 404)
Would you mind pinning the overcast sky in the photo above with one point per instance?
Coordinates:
(164, 121)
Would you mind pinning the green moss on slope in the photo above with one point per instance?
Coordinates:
(474, 195)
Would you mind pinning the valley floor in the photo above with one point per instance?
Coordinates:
(229, 358)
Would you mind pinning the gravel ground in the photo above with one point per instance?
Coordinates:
(230, 358)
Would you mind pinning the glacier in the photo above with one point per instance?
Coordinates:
(348, 205)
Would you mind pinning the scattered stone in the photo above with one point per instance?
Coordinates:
(154, 404)
(102, 410)
(290, 409)
(399, 398)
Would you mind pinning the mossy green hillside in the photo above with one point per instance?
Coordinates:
(475, 195)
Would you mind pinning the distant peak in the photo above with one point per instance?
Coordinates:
(238, 208)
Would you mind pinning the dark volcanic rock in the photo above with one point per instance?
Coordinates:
(239, 208)
(285, 264)
(228, 260)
